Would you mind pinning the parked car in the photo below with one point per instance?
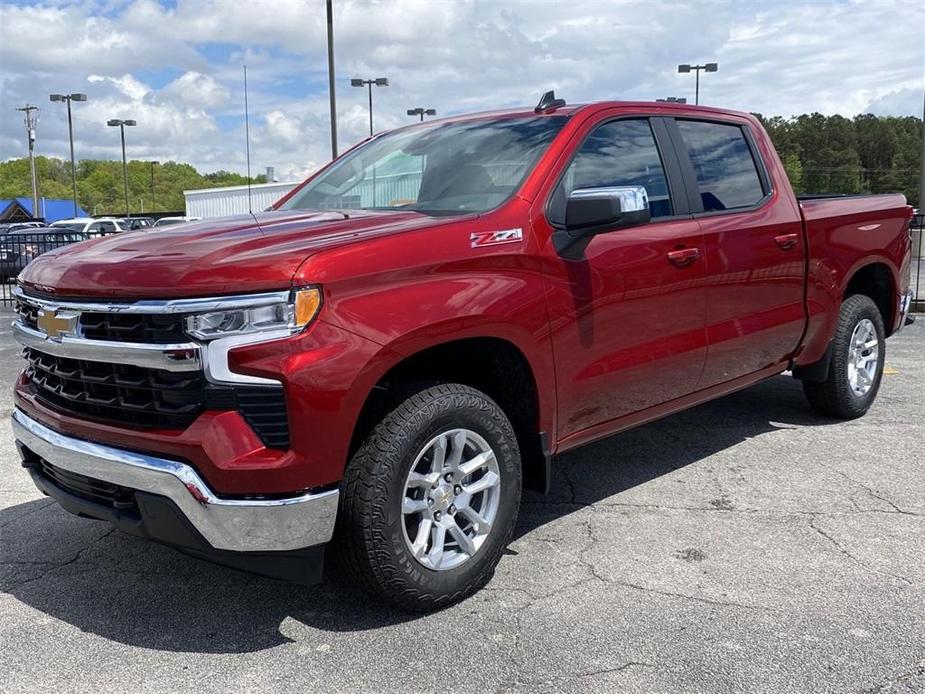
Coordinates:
(91, 226)
(168, 221)
(8, 227)
(387, 366)
(135, 223)
(18, 248)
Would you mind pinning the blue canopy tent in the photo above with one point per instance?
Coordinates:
(20, 210)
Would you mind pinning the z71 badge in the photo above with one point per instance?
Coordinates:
(495, 238)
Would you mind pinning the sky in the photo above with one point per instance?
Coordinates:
(175, 66)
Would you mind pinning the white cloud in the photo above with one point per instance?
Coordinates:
(902, 102)
(171, 68)
(196, 90)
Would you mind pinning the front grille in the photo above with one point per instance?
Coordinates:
(28, 314)
(131, 395)
(117, 392)
(97, 491)
(149, 328)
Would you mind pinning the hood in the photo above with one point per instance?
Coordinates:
(247, 253)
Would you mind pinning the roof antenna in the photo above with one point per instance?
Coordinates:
(549, 102)
(247, 136)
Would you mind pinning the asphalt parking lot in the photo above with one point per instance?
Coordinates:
(745, 545)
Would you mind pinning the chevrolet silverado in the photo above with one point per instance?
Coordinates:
(382, 361)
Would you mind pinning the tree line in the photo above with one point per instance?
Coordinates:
(822, 154)
(152, 186)
(864, 154)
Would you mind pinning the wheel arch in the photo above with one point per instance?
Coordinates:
(877, 281)
(496, 365)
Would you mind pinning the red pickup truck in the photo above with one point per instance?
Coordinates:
(385, 358)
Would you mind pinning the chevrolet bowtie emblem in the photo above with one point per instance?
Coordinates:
(56, 324)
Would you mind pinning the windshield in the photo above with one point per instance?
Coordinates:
(447, 168)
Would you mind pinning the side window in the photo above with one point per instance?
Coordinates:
(107, 227)
(726, 172)
(93, 227)
(618, 153)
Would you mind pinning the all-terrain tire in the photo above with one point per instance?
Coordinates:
(834, 396)
(370, 544)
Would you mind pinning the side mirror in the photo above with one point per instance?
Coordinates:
(591, 211)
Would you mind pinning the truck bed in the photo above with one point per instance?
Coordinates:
(844, 233)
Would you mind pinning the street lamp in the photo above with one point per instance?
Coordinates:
(418, 111)
(708, 67)
(70, 132)
(674, 100)
(119, 123)
(379, 82)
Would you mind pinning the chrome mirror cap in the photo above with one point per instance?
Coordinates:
(631, 198)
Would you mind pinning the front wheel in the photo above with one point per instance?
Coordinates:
(430, 499)
(856, 368)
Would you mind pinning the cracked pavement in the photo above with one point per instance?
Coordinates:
(745, 545)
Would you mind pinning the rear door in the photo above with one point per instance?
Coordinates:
(753, 249)
(627, 322)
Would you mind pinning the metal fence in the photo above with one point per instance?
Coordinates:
(19, 249)
(917, 281)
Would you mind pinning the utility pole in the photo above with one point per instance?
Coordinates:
(331, 95)
(31, 119)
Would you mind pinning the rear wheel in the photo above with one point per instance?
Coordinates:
(430, 499)
(856, 368)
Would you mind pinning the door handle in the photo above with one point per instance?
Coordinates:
(787, 241)
(683, 256)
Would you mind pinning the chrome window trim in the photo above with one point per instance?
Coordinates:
(240, 525)
(168, 306)
(151, 356)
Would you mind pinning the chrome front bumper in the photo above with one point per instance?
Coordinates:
(239, 525)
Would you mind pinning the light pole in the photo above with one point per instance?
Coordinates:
(70, 132)
(418, 111)
(331, 95)
(707, 67)
(379, 82)
(674, 100)
(119, 123)
(30, 120)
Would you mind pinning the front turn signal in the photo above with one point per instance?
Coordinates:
(307, 305)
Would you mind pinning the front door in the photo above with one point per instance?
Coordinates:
(626, 318)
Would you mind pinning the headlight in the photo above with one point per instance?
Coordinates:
(292, 315)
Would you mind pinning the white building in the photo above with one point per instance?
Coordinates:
(224, 202)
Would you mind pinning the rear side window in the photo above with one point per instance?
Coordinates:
(618, 153)
(726, 171)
